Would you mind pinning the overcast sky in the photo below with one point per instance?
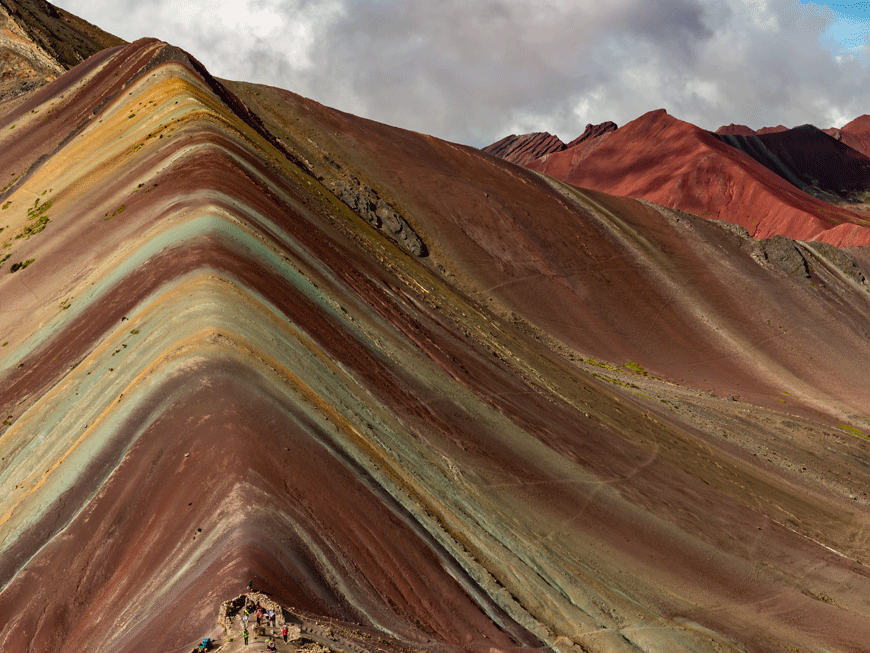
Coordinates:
(473, 71)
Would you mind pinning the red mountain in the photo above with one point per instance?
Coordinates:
(674, 163)
(743, 130)
(856, 134)
(735, 130)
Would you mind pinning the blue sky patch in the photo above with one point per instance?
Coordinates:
(851, 24)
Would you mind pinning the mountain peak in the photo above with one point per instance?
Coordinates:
(526, 148)
(734, 130)
(592, 132)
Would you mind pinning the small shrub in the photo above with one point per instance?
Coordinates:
(32, 229)
(117, 211)
(21, 265)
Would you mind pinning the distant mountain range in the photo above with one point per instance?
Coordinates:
(675, 164)
(415, 396)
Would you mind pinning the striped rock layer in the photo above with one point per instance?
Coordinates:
(525, 148)
(571, 422)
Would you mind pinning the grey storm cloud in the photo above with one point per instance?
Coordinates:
(475, 71)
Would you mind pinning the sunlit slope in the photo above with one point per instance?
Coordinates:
(215, 370)
(605, 277)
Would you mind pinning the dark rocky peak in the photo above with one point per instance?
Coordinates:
(593, 132)
(526, 148)
(811, 159)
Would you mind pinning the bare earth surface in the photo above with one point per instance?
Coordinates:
(426, 399)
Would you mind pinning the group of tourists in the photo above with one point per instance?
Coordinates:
(256, 611)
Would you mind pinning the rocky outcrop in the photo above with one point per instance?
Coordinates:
(366, 203)
(39, 41)
(839, 260)
(24, 64)
(526, 148)
(592, 132)
(783, 253)
(535, 147)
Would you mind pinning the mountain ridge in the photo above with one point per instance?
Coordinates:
(574, 421)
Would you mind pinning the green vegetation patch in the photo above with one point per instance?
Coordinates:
(117, 211)
(605, 366)
(636, 368)
(21, 265)
(38, 210)
(38, 218)
(32, 229)
(852, 430)
(615, 381)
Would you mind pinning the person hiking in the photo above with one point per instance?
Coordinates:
(271, 646)
(272, 617)
(245, 635)
(284, 632)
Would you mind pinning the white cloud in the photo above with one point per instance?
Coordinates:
(475, 71)
(762, 17)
